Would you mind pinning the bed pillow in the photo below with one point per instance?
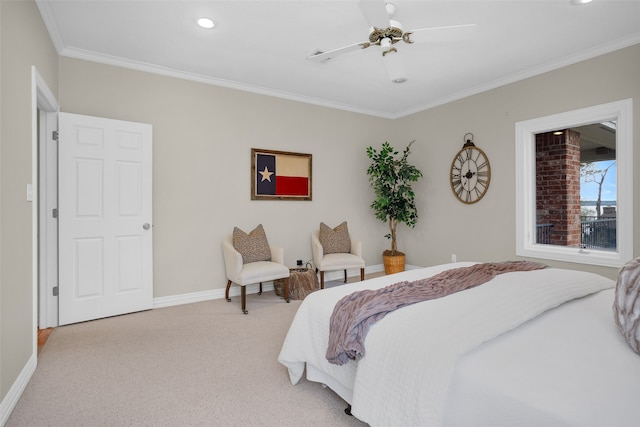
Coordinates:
(626, 306)
(253, 246)
(335, 240)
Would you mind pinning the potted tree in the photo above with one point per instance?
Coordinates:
(391, 177)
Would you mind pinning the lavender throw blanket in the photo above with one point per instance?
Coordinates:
(354, 314)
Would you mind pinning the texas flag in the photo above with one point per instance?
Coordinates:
(282, 175)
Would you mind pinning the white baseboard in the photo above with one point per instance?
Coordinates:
(207, 295)
(252, 289)
(13, 395)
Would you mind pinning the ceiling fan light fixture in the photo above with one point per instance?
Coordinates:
(393, 65)
(391, 9)
(393, 33)
(387, 33)
(206, 23)
(386, 46)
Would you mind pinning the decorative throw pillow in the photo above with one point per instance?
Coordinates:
(626, 306)
(253, 246)
(335, 240)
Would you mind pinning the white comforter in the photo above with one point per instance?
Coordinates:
(411, 354)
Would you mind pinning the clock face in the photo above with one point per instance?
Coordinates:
(470, 174)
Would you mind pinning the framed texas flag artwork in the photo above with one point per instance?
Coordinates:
(280, 175)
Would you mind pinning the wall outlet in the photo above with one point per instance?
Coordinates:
(453, 257)
(299, 263)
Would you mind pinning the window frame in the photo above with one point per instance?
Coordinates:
(525, 171)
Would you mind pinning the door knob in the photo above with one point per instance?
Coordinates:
(146, 226)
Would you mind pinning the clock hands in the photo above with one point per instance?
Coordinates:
(467, 187)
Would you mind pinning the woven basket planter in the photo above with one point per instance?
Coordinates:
(393, 263)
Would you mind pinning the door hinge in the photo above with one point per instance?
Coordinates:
(54, 213)
(55, 291)
(54, 135)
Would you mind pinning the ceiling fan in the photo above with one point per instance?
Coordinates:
(386, 32)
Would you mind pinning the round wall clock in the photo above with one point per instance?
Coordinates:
(470, 173)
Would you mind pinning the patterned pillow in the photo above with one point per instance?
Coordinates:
(253, 246)
(626, 306)
(335, 240)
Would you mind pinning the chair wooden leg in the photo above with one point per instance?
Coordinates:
(260, 293)
(286, 289)
(345, 276)
(361, 274)
(244, 299)
(321, 279)
(226, 294)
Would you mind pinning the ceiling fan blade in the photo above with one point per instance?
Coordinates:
(375, 12)
(394, 66)
(453, 33)
(325, 56)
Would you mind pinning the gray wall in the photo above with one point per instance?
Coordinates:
(486, 231)
(24, 42)
(202, 140)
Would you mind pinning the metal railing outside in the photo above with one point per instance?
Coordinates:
(543, 233)
(598, 233)
(595, 233)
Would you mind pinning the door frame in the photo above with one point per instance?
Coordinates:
(44, 120)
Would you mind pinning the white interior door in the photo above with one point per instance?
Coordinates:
(104, 204)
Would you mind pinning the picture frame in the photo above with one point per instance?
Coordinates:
(280, 175)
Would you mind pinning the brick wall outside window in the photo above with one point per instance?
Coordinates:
(558, 186)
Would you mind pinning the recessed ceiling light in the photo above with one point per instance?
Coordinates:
(206, 23)
(399, 80)
(580, 1)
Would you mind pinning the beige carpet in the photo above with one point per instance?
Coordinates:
(203, 364)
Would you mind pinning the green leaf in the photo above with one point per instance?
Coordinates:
(390, 177)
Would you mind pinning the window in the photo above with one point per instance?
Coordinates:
(576, 187)
(530, 203)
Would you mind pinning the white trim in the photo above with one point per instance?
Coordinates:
(525, 178)
(532, 72)
(46, 99)
(48, 233)
(64, 50)
(169, 72)
(13, 395)
(43, 100)
(215, 81)
(52, 25)
(35, 259)
(207, 295)
(251, 289)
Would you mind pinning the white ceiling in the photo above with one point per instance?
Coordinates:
(261, 46)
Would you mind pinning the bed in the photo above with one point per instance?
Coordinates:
(537, 348)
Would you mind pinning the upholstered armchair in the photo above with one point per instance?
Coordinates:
(335, 249)
(248, 263)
